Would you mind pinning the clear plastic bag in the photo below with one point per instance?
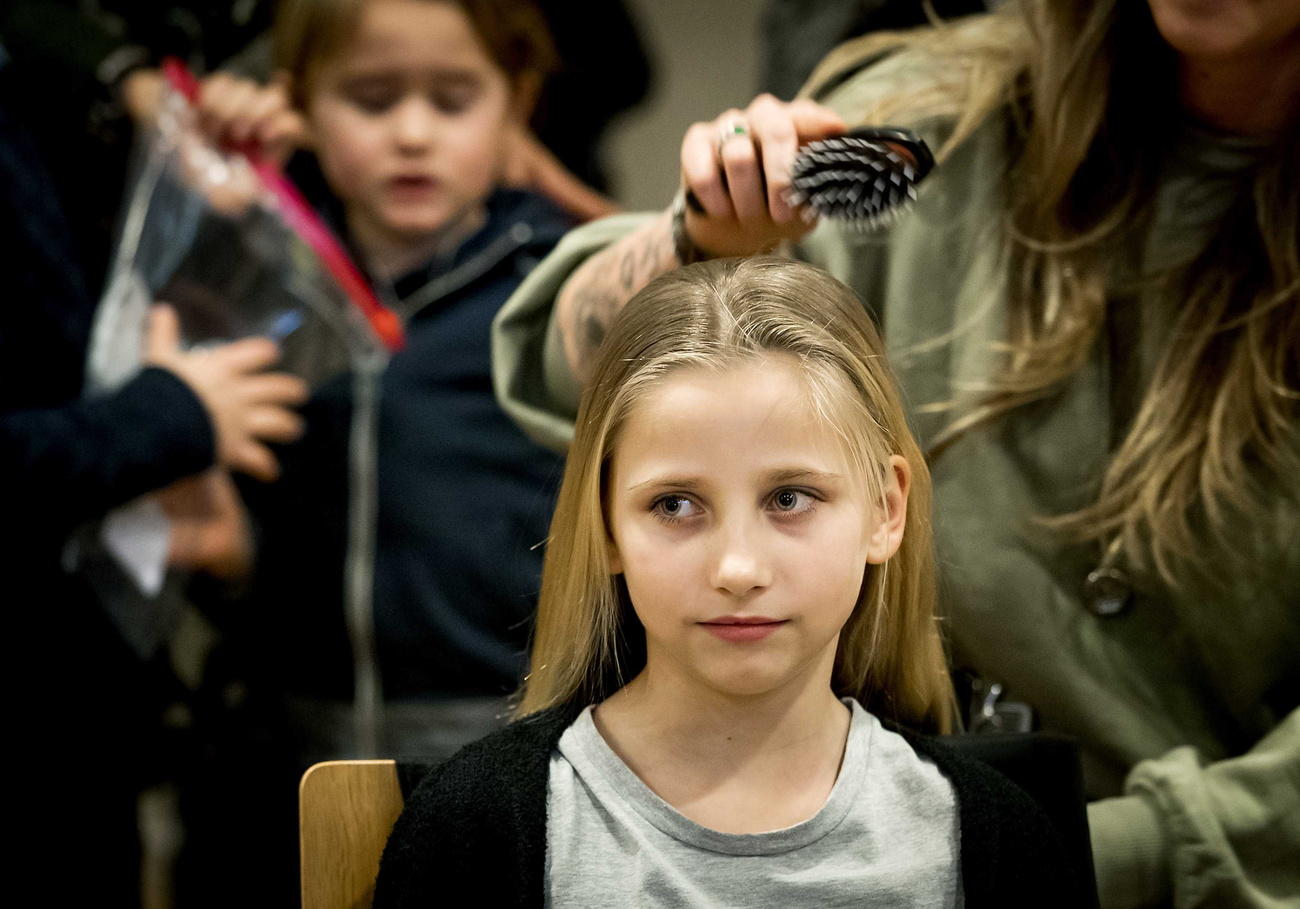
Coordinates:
(229, 243)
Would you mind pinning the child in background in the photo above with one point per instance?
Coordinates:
(409, 108)
(730, 607)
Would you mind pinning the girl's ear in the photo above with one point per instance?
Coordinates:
(611, 553)
(527, 88)
(888, 534)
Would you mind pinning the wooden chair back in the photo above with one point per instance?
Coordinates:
(345, 812)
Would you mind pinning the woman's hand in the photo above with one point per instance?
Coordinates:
(739, 176)
(248, 406)
(738, 167)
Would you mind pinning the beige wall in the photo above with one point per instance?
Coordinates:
(705, 54)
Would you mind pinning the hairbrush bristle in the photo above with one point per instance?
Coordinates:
(862, 178)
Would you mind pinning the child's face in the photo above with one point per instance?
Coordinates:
(409, 123)
(741, 528)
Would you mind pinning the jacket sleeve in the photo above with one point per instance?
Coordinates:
(1222, 834)
(532, 379)
(64, 465)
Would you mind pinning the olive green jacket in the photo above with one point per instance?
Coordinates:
(1185, 703)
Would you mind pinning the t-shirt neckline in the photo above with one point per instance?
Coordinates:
(604, 771)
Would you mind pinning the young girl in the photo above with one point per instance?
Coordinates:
(1093, 310)
(738, 591)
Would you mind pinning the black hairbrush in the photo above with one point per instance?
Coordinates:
(863, 178)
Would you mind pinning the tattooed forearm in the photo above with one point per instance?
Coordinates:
(599, 288)
(593, 311)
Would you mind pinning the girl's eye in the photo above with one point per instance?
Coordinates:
(793, 501)
(373, 102)
(671, 509)
(455, 100)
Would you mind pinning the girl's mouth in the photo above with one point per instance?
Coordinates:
(411, 185)
(741, 629)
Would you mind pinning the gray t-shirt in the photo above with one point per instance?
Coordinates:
(887, 835)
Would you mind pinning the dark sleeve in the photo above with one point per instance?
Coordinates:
(1011, 854)
(473, 831)
(457, 842)
(61, 466)
(415, 852)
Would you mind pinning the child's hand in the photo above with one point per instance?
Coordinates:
(530, 165)
(209, 526)
(240, 112)
(738, 167)
(247, 405)
(141, 91)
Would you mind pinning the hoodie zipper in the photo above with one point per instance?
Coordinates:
(363, 488)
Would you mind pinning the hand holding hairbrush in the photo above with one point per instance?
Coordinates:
(864, 178)
(752, 179)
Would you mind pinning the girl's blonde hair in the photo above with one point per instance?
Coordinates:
(310, 33)
(1091, 90)
(588, 642)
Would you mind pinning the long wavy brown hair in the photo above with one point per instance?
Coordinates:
(588, 641)
(1090, 92)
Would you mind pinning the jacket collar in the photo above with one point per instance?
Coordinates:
(516, 219)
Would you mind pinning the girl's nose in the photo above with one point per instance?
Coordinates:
(740, 566)
(414, 124)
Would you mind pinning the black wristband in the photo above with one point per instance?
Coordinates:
(683, 247)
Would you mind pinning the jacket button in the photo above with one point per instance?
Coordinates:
(1107, 592)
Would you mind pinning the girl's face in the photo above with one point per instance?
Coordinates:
(740, 528)
(409, 123)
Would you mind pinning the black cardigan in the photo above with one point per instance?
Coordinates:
(474, 830)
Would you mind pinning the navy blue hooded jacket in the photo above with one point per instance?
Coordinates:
(464, 497)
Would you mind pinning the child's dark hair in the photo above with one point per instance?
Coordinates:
(310, 32)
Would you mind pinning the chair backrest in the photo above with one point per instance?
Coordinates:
(345, 812)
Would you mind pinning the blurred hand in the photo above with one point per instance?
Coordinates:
(738, 166)
(248, 406)
(209, 526)
(530, 165)
(141, 91)
(240, 112)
